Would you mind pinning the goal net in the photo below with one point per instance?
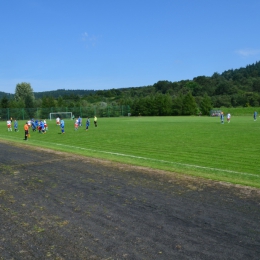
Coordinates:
(63, 115)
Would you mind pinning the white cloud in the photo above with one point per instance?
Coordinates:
(84, 36)
(248, 52)
(90, 40)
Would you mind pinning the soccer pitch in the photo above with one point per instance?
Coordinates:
(198, 146)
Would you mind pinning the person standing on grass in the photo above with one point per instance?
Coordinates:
(42, 128)
(95, 121)
(26, 131)
(255, 115)
(29, 123)
(62, 126)
(222, 117)
(45, 124)
(34, 127)
(228, 117)
(9, 125)
(57, 121)
(79, 121)
(87, 124)
(16, 126)
(76, 125)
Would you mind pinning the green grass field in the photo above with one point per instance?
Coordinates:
(198, 146)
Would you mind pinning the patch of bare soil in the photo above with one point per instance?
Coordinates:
(57, 206)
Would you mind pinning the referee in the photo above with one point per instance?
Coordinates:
(26, 131)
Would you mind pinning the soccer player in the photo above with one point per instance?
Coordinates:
(76, 125)
(228, 117)
(42, 128)
(57, 121)
(95, 121)
(9, 125)
(87, 124)
(222, 117)
(26, 131)
(16, 126)
(62, 126)
(34, 125)
(79, 121)
(45, 124)
(39, 127)
(255, 115)
(29, 123)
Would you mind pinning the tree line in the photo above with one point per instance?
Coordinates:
(232, 88)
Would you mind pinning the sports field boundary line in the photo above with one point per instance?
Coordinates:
(151, 159)
(162, 161)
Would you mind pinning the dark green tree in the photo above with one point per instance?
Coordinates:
(194, 87)
(48, 103)
(189, 105)
(252, 99)
(4, 102)
(165, 104)
(205, 105)
(256, 85)
(29, 101)
(221, 101)
(60, 101)
(29, 106)
(22, 91)
(162, 86)
(177, 105)
(4, 107)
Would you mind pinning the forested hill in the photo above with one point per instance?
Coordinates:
(234, 87)
(63, 93)
(4, 94)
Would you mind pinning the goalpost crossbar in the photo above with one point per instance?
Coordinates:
(64, 115)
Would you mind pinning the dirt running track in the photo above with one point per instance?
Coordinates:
(59, 206)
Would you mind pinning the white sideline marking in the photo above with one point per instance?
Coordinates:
(163, 161)
(156, 160)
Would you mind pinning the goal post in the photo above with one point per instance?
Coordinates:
(63, 115)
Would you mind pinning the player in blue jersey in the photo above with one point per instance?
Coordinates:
(16, 126)
(80, 121)
(255, 115)
(42, 127)
(33, 126)
(62, 126)
(87, 124)
(222, 118)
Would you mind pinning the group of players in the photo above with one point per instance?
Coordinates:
(35, 125)
(222, 117)
(77, 123)
(229, 117)
(41, 125)
(38, 125)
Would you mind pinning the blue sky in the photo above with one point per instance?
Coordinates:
(101, 44)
